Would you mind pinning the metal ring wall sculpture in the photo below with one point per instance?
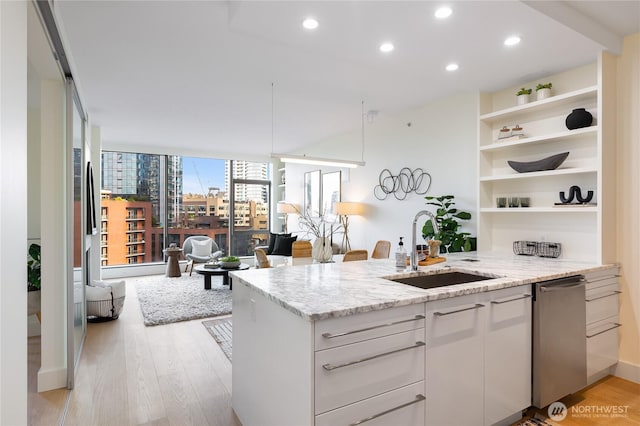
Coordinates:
(401, 185)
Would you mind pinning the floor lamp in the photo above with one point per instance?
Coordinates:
(286, 209)
(344, 210)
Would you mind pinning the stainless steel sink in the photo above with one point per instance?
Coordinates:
(442, 279)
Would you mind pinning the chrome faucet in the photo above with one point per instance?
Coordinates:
(414, 249)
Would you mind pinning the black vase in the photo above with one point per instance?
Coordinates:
(578, 118)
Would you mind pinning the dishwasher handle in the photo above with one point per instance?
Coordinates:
(562, 284)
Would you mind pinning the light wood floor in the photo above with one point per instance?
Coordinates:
(130, 374)
(176, 374)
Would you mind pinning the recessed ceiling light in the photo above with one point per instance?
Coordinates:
(386, 47)
(452, 67)
(310, 23)
(512, 41)
(443, 12)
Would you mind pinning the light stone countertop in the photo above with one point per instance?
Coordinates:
(319, 291)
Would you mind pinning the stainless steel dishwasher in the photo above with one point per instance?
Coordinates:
(559, 339)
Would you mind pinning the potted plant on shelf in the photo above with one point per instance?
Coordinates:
(523, 96)
(33, 280)
(447, 217)
(543, 91)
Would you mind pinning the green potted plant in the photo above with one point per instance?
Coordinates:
(447, 218)
(543, 91)
(523, 96)
(33, 279)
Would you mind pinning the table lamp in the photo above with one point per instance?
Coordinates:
(286, 209)
(344, 210)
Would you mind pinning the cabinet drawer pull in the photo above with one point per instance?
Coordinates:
(615, 325)
(613, 293)
(419, 398)
(346, 333)
(330, 367)
(500, 302)
(441, 314)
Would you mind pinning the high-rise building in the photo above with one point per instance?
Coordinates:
(247, 170)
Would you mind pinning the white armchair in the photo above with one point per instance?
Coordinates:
(200, 249)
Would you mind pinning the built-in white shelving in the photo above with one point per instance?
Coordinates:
(580, 229)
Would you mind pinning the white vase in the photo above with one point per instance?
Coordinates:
(543, 93)
(33, 302)
(523, 99)
(321, 250)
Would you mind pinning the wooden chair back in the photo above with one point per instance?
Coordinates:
(381, 250)
(355, 255)
(262, 259)
(301, 249)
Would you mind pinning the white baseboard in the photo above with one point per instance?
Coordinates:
(52, 379)
(628, 371)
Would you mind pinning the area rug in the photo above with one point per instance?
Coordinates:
(165, 300)
(220, 330)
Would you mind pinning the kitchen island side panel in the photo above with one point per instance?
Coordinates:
(272, 362)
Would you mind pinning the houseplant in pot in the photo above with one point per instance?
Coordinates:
(447, 218)
(543, 91)
(33, 279)
(523, 96)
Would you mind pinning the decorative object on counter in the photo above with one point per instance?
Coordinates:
(578, 118)
(229, 262)
(543, 91)
(344, 210)
(434, 248)
(504, 133)
(514, 202)
(549, 163)
(401, 255)
(546, 249)
(535, 248)
(400, 186)
(524, 201)
(322, 250)
(576, 192)
(525, 248)
(447, 217)
(501, 202)
(523, 96)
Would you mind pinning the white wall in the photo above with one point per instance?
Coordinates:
(628, 204)
(441, 140)
(13, 204)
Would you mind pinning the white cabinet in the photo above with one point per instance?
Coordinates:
(478, 355)
(602, 307)
(371, 365)
(579, 229)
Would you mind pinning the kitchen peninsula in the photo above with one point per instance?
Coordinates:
(339, 343)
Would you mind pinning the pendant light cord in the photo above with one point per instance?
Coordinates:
(272, 116)
(362, 147)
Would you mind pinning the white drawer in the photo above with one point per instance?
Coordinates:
(404, 406)
(356, 328)
(603, 273)
(601, 282)
(602, 303)
(361, 370)
(602, 345)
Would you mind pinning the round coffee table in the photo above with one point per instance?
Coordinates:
(208, 272)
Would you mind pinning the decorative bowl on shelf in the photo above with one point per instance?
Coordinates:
(549, 163)
(229, 262)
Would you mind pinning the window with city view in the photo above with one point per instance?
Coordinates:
(149, 201)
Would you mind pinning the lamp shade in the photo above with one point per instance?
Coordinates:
(349, 208)
(284, 207)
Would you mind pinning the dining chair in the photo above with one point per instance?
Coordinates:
(262, 261)
(355, 255)
(381, 250)
(301, 252)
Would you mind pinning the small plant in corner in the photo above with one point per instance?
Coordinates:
(541, 86)
(523, 91)
(33, 268)
(447, 217)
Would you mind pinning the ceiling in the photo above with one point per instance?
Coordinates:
(200, 76)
